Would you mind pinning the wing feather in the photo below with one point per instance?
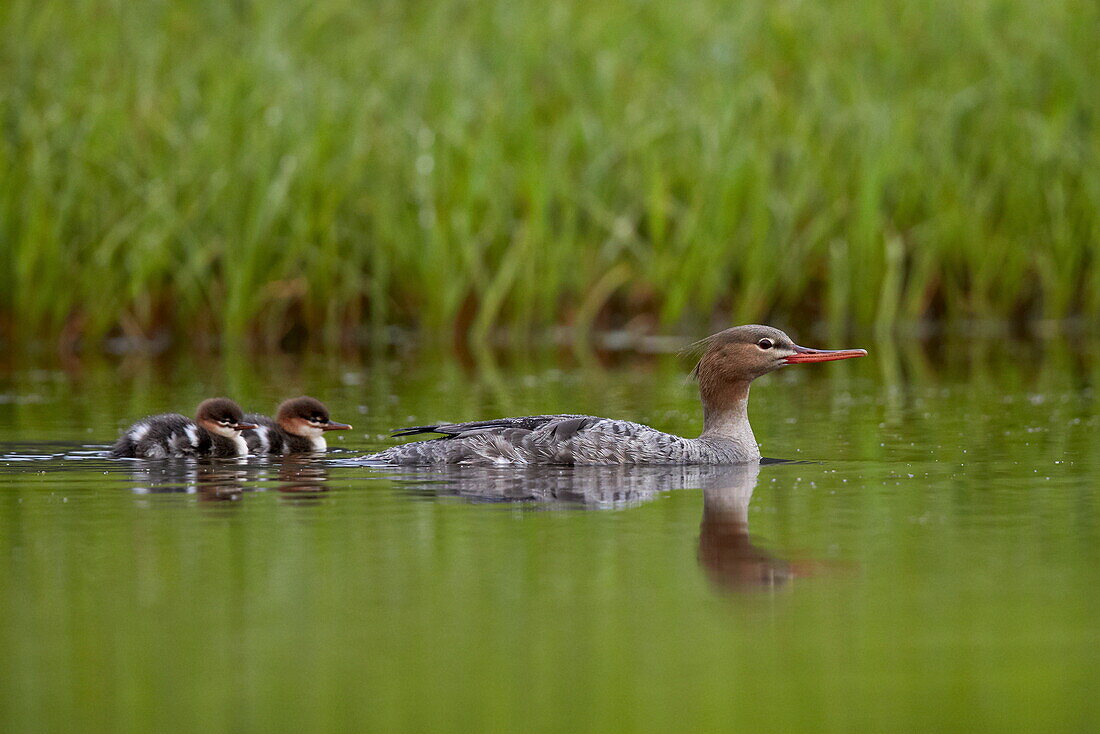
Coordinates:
(454, 430)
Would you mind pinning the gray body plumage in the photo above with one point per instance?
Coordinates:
(173, 435)
(568, 440)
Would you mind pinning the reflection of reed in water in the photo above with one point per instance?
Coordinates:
(726, 551)
(213, 481)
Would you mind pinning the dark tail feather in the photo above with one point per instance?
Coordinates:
(413, 431)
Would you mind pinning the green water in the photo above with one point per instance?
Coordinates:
(938, 568)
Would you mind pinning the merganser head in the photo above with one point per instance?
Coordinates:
(222, 416)
(306, 417)
(743, 353)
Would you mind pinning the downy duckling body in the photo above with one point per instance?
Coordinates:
(299, 427)
(215, 431)
(730, 361)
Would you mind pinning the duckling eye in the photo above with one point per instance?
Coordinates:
(765, 343)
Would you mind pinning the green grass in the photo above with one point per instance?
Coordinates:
(247, 168)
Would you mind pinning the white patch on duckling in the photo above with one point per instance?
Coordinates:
(240, 443)
(315, 435)
(192, 435)
(265, 440)
(221, 430)
(139, 432)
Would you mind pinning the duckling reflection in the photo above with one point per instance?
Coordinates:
(726, 551)
(214, 482)
(302, 477)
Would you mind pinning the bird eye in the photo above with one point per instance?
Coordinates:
(765, 343)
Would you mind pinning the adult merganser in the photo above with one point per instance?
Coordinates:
(731, 360)
(215, 431)
(299, 427)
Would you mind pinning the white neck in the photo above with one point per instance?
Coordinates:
(726, 415)
(232, 434)
(731, 419)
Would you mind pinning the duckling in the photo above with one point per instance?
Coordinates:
(215, 431)
(299, 427)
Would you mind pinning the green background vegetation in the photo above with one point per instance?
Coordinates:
(253, 168)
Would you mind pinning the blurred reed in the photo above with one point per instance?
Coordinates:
(251, 168)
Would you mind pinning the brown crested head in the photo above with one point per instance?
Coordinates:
(306, 416)
(732, 359)
(743, 353)
(222, 416)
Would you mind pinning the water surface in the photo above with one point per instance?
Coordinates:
(932, 560)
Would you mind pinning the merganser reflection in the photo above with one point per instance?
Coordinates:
(726, 551)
